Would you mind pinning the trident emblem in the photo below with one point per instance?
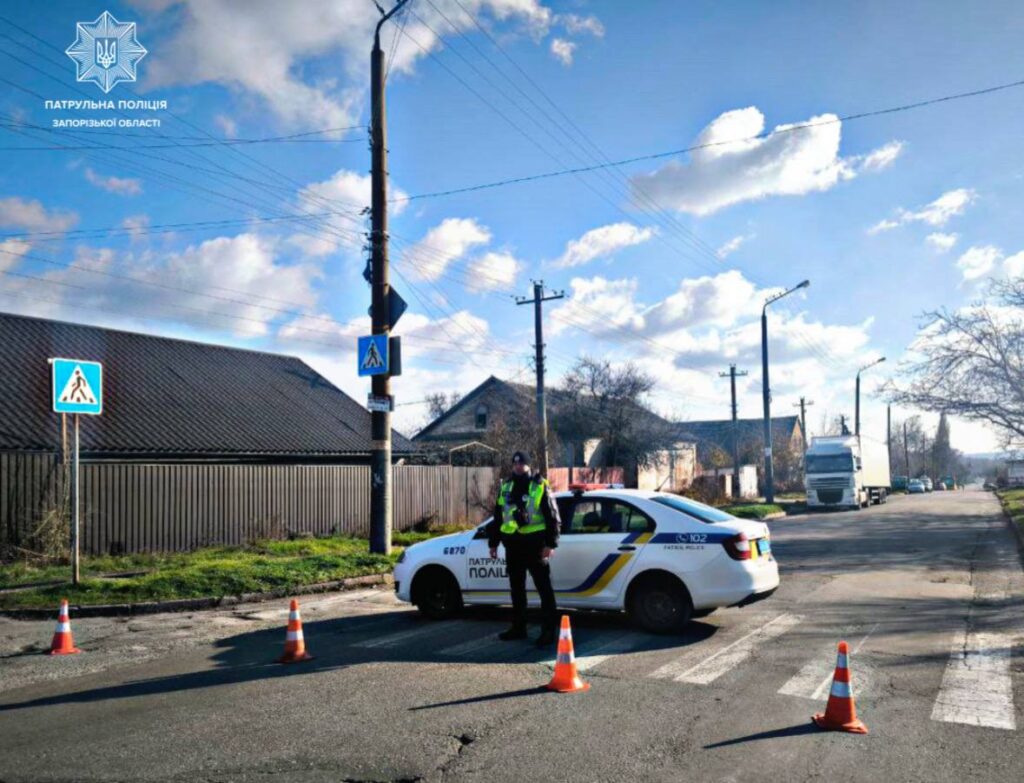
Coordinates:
(106, 52)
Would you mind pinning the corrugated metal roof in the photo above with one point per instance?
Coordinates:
(175, 397)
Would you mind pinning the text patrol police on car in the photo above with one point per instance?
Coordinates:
(662, 558)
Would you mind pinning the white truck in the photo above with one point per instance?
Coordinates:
(846, 471)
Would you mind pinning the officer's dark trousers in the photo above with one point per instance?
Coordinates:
(522, 556)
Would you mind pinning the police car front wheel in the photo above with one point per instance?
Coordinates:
(659, 603)
(436, 593)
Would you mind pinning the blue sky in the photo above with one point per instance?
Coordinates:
(665, 262)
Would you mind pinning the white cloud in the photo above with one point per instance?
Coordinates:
(32, 216)
(493, 271)
(122, 186)
(576, 24)
(978, 261)
(883, 157)
(732, 246)
(345, 192)
(227, 125)
(11, 251)
(937, 213)
(1013, 266)
(599, 305)
(601, 242)
(942, 242)
(563, 50)
(740, 164)
(262, 48)
(444, 244)
(706, 321)
(225, 283)
(135, 225)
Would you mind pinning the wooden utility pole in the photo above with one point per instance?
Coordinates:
(803, 405)
(538, 327)
(733, 375)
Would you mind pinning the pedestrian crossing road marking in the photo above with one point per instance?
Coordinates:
(710, 669)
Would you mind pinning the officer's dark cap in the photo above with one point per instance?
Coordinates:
(519, 458)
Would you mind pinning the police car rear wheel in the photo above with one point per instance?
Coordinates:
(660, 604)
(436, 593)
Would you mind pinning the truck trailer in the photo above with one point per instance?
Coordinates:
(846, 471)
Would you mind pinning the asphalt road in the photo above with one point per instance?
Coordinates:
(928, 591)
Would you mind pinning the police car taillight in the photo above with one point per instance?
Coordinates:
(737, 547)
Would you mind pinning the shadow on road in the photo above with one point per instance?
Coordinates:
(350, 641)
(489, 697)
(789, 731)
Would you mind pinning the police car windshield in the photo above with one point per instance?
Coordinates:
(694, 509)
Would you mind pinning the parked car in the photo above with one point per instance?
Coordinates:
(928, 486)
(660, 557)
(915, 486)
(988, 486)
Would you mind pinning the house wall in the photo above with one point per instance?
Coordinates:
(671, 471)
(501, 402)
(162, 508)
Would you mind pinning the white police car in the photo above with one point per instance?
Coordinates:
(660, 557)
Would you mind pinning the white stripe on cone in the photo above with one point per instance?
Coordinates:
(64, 627)
(293, 636)
(842, 689)
(843, 662)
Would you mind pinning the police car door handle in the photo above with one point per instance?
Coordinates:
(627, 548)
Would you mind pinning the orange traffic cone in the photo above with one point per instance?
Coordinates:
(295, 644)
(566, 679)
(840, 713)
(62, 643)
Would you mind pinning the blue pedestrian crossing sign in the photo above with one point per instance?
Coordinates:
(372, 354)
(77, 386)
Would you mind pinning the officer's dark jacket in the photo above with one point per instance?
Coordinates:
(548, 508)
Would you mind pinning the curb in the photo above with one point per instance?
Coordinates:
(1017, 532)
(196, 604)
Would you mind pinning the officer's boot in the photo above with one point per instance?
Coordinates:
(514, 632)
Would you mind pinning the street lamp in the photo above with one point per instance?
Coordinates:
(769, 473)
(856, 415)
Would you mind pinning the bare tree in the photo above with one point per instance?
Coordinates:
(439, 403)
(597, 400)
(972, 363)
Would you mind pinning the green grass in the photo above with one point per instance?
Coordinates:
(753, 510)
(1013, 504)
(216, 571)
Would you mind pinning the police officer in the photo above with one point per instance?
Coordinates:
(526, 522)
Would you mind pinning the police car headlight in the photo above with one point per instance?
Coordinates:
(401, 556)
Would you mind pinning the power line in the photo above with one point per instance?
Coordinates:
(707, 145)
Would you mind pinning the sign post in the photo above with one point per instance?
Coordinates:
(77, 389)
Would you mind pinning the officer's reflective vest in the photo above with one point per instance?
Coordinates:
(534, 496)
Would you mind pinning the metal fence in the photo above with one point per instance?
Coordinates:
(130, 507)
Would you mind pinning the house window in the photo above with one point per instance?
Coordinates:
(481, 417)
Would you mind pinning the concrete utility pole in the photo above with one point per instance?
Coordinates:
(803, 405)
(380, 421)
(856, 411)
(538, 327)
(769, 470)
(733, 375)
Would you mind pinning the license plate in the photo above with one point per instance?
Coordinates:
(764, 546)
